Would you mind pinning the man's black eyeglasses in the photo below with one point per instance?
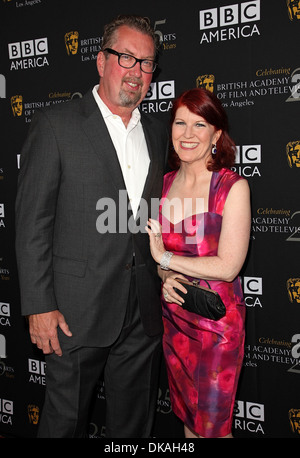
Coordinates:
(128, 61)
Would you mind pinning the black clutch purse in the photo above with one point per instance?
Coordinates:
(201, 300)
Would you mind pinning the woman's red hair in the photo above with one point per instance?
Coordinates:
(205, 104)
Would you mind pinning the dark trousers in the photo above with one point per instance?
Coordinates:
(131, 373)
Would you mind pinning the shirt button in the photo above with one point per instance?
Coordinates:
(128, 266)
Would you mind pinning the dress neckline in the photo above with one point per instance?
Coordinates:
(194, 214)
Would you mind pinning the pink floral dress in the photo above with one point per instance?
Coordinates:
(203, 357)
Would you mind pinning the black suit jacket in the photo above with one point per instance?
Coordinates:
(68, 163)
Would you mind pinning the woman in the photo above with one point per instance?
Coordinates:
(205, 225)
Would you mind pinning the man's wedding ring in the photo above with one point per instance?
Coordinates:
(158, 234)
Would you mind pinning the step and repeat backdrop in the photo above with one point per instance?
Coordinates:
(247, 53)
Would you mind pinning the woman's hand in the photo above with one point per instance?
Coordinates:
(157, 247)
(169, 284)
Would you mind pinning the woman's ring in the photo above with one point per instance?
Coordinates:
(166, 295)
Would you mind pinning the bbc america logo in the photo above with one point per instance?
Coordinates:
(249, 416)
(4, 315)
(4, 309)
(230, 15)
(252, 285)
(6, 406)
(36, 370)
(249, 410)
(161, 90)
(28, 48)
(159, 97)
(6, 411)
(2, 215)
(248, 156)
(230, 22)
(28, 54)
(36, 367)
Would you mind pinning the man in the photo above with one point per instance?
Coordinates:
(92, 293)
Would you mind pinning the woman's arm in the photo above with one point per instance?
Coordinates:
(233, 243)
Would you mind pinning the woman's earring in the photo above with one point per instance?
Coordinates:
(214, 150)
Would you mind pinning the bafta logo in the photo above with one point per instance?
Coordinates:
(293, 287)
(293, 7)
(293, 153)
(17, 105)
(206, 81)
(33, 414)
(294, 417)
(71, 42)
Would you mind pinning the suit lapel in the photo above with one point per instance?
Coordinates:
(96, 130)
(153, 166)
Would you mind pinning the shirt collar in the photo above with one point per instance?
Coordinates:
(105, 111)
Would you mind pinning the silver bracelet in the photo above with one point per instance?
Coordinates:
(165, 260)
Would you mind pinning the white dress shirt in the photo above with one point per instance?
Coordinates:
(131, 148)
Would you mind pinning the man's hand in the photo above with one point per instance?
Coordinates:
(43, 331)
